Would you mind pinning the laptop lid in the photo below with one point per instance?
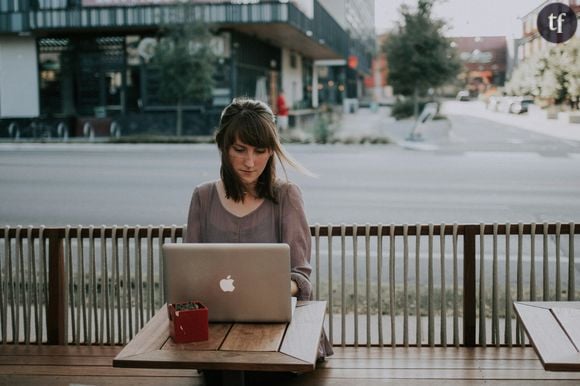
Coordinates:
(236, 282)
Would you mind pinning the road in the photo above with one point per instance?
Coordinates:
(478, 171)
(481, 172)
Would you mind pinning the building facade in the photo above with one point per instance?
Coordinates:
(531, 41)
(484, 60)
(344, 79)
(82, 64)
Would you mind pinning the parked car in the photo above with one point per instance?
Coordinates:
(504, 104)
(509, 104)
(520, 105)
(463, 96)
(493, 103)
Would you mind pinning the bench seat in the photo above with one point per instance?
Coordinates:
(92, 365)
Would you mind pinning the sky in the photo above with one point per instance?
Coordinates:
(465, 17)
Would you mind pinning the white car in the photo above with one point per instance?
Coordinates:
(463, 96)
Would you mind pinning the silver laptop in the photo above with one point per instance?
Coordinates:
(236, 282)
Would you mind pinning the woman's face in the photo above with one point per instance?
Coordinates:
(248, 161)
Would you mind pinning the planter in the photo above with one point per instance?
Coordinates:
(536, 111)
(552, 112)
(435, 130)
(563, 116)
(188, 322)
(574, 118)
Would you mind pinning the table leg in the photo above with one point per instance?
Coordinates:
(233, 378)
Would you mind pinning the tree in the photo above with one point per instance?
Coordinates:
(558, 71)
(184, 61)
(552, 75)
(524, 79)
(419, 56)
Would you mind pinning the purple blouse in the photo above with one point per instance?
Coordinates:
(209, 222)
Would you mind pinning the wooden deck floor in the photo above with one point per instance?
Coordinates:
(61, 365)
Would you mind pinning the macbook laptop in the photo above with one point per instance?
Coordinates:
(236, 282)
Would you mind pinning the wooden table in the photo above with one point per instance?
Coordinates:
(232, 347)
(554, 330)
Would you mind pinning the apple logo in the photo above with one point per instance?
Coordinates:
(227, 284)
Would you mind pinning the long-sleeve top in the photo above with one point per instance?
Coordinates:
(210, 222)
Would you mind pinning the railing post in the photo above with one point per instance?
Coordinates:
(469, 290)
(55, 314)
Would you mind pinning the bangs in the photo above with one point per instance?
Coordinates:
(250, 129)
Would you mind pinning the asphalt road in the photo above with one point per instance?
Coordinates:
(477, 171)
(480, 172)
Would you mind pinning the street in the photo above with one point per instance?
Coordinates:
(482, 171)
(475, 171)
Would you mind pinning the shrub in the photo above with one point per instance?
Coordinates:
(403, 108)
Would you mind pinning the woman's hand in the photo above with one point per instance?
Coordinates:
(293, 288)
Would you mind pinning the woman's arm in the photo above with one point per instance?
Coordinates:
(296, 233)
(193, 233)
(293, 288)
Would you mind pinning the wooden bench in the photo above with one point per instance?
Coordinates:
(302, 118)
(93, 365)
(80, 365)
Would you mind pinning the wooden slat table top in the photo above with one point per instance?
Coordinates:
(254, 337)
(217, 334)
(554, 330)
(569, 319)
(239, 346)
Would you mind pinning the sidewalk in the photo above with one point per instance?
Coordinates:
(381, 127)
(537, 123)
(366, 124)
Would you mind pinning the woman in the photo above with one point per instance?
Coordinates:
(248, 204)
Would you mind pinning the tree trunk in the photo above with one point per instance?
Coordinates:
(416, 102)
(179, 123)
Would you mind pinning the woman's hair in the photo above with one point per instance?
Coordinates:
(253, 123)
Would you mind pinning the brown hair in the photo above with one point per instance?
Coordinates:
(251, 122)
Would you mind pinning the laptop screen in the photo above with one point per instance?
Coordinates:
(236, 282)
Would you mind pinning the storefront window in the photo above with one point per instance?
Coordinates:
(53, 66)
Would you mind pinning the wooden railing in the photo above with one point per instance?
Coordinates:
(433, 285)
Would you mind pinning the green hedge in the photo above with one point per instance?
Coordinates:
(403, 108)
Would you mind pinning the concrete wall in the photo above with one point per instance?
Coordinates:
(306, 6)
(337, 9)
(18, 78)
(292, 77)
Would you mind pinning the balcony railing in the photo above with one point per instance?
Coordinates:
(399, 285)
(14, 22)
(153, 16)
(56, 17)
